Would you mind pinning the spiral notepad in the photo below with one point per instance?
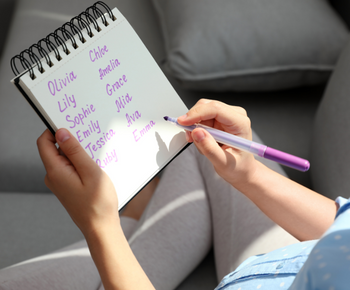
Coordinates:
(94, 77)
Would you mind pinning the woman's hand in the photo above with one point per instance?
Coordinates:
(231, 164)
(89, 196)
(81, 186)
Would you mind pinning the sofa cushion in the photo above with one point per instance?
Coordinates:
(330, 144)
(247, 45)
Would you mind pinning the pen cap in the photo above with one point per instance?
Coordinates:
(287, 159)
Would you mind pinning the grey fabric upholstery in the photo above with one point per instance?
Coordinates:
(330, 155)
(33, 224)
(250, 45)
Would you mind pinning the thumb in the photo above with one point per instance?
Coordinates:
(72, 149)
(207, 145)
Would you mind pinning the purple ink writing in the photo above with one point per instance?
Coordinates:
(98, 53)
(113, 64)
(79, 119)
(58, 85)
(93, 127)
(139, 134)
(111, 157)
(67, 102)
(111, 88)
(132, 118)
(122, 101)
(99, 143)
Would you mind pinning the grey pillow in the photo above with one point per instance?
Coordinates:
(250, 45)
(330, 156)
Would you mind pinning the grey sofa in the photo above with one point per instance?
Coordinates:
(32, 222)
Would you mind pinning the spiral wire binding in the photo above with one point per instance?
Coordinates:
(76, 25)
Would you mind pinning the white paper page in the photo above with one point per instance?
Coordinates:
(117, 116)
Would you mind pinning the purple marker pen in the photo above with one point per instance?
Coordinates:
(249, 146)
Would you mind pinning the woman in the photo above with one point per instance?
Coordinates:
(227, 194)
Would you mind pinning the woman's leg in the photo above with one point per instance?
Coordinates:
(69, 268)
(170, 240)
(240, 229)
(174, 233)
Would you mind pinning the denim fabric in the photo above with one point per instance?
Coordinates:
(301, 266)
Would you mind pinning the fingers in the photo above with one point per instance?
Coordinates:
(72, 149)
(47, 150)
(216, 114)
(207, 145)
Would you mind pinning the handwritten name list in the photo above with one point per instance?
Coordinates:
(81, 117)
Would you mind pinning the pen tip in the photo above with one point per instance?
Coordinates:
(166, 118)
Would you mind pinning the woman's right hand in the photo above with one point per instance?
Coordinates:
(234, 165)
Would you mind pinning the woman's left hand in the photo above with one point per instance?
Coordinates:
(82, 187)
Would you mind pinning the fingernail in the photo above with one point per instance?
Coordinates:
(183, 117)
(62, 135)
(198, 135)
(188, 136)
